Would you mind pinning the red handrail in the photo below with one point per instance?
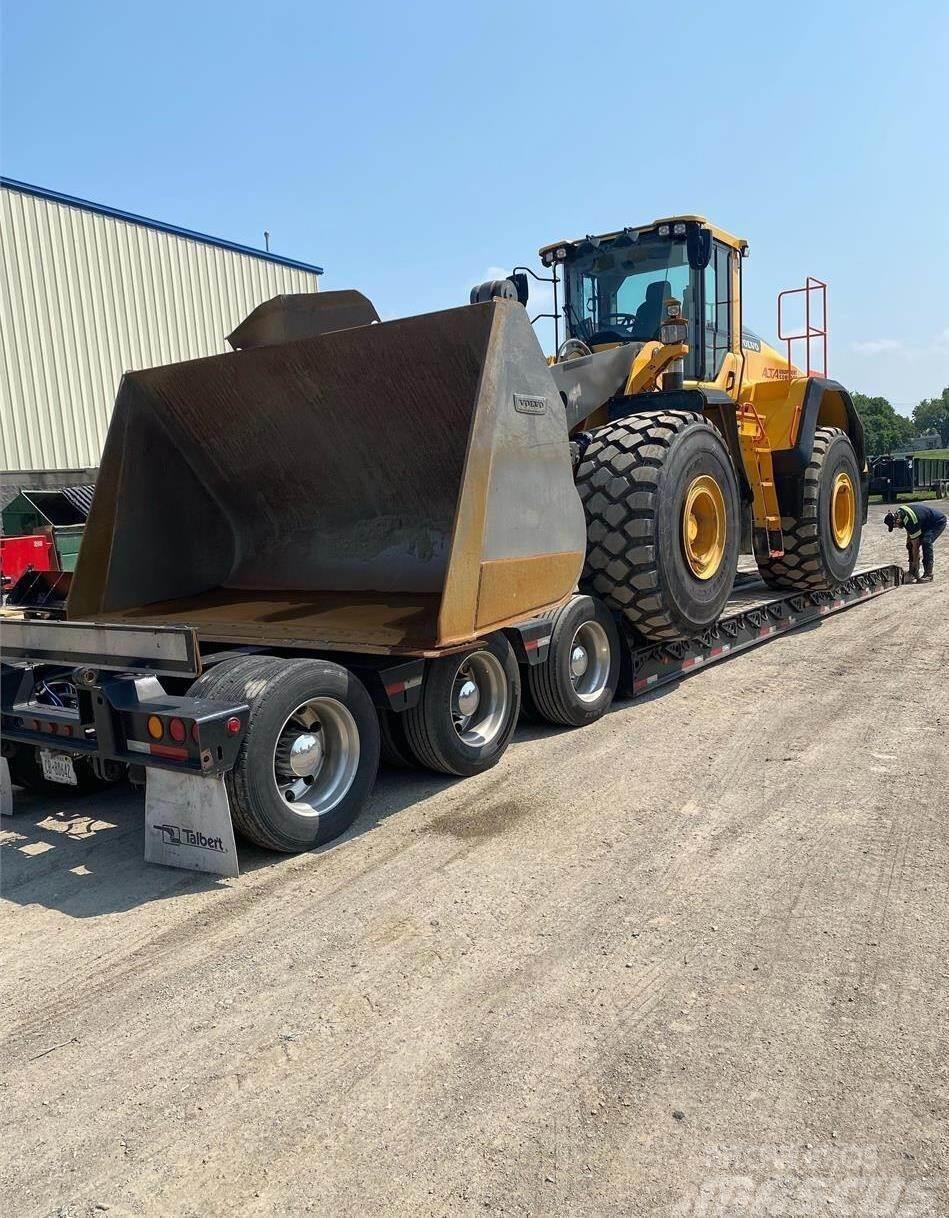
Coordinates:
(812, 331)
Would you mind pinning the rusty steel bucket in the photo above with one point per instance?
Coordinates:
(398, 487)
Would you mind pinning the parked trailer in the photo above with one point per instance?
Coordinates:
(905, 474)
(84, 703)
(931, 472)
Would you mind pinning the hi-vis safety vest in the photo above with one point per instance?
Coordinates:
(912, 522)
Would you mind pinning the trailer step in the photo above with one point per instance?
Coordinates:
(765, 617)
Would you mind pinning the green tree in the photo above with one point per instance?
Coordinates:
(883, 427)
(933, 415)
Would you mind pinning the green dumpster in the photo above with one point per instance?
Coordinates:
(60, 513)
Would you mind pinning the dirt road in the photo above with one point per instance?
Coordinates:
(694, 956)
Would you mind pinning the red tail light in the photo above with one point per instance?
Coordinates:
(177, 730)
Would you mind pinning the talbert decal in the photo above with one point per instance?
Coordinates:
(177, 835)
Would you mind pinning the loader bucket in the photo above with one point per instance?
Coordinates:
(399, 487)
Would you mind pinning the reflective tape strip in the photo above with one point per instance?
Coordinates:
(401, 686)
(157, 750)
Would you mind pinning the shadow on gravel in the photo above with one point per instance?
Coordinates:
(84, 855)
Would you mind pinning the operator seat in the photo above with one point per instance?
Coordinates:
(649, 313)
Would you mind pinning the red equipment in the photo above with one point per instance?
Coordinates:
(17, 554)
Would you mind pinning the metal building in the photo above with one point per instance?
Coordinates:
(87, 292)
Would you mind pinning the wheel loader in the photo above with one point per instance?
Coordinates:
(695, 439)
(347, 535)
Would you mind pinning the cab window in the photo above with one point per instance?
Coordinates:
(619, 295)
(718, 309)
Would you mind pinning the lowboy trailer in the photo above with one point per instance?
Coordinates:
(98, 701)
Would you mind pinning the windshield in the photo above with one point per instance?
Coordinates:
(616, 293)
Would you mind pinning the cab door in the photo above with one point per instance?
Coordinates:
(722, 319)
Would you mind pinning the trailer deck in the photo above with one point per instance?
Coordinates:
(117, 708)
(753, 615)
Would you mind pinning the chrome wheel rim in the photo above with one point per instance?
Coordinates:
(316, 756)
(479, 699)
(589, 661)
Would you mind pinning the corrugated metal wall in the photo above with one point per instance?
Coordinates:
(86, 296)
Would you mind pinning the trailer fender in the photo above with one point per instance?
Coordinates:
(531, 640)
(826, 403)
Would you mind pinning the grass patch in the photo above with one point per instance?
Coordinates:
(907, 497)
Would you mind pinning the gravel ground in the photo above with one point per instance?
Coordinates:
(690, 960)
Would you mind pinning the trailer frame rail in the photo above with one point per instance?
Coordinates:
(651, 666)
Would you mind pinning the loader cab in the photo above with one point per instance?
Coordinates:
(616, 285)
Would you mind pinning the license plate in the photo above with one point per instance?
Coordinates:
(58, 767)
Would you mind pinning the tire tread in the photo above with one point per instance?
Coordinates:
(801, 568)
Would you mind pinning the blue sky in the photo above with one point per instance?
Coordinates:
(411, 148)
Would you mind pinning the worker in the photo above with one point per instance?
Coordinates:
(923, 524)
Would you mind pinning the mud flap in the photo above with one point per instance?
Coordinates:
(188, 823)
(6, 788)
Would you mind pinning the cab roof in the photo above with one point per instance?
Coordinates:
(738, 243)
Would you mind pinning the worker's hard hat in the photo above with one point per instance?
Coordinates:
(890, 521)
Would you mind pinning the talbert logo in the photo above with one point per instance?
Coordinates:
(179, 835)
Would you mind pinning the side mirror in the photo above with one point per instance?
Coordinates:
(698, 245)
(519, 279)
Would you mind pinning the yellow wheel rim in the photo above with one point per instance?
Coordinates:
(703, 526)
(843, 511)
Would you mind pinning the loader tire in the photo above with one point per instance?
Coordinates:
(273, 805)
(457, 729)
(577, 681)
(822, 544)
(642, 481)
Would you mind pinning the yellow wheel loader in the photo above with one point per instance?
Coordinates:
(695, 438)
(347, 535)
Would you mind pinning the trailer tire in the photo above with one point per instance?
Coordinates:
(273, 804)
(642, 481)
(442, 732)
(577, 681)
(822, 544)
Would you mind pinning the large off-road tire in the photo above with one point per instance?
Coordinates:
(642, 481)
(577, 681)
(468, 709)
(309, 758)
(822, 544)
